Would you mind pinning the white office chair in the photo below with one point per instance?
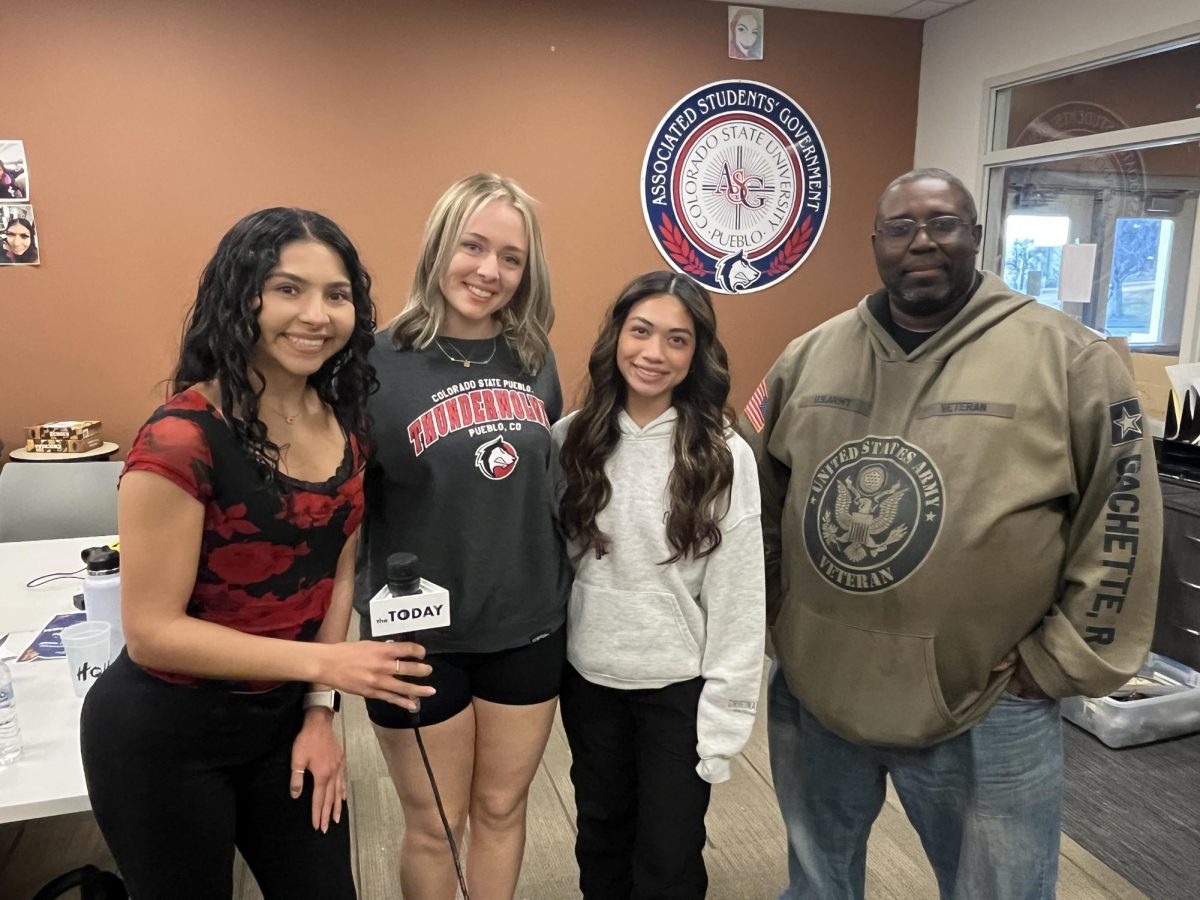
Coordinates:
(44, 500)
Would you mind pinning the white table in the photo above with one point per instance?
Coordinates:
(47, 779)
(104, 451)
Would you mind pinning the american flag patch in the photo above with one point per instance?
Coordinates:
(756, 409)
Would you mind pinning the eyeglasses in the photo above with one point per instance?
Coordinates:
(941, 229)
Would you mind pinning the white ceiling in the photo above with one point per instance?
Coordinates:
(906, 9)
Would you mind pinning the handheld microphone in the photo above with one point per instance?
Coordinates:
(408, 603)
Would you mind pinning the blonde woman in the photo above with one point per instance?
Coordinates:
(459, 477)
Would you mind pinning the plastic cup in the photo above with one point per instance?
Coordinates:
(87, 653)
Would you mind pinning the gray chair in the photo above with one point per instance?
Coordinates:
(44, 500)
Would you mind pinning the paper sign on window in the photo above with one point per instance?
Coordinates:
(1075, 273)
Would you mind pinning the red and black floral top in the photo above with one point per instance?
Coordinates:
(268, 557)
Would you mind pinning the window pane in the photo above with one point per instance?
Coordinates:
(1033, 257)
(1104, 237)
(1137, 279)
(1148, 90)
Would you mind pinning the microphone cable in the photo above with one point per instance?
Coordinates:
(437, 797)
(403, 580)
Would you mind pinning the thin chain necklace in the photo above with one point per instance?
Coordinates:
(462, 358)
(290, 420)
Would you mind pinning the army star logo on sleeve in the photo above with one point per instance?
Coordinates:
(1125, 417)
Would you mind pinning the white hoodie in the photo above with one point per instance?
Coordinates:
(635, 623)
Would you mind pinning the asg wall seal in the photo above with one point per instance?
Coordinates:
(735, 186)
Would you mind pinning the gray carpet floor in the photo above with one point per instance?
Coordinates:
(1137, 810)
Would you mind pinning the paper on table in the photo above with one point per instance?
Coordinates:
(48, 644)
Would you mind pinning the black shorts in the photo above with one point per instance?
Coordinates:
(519, 676)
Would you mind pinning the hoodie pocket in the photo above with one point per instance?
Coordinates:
(869, 686)
(629, 635)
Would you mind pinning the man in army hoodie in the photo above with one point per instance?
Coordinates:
(962, 524)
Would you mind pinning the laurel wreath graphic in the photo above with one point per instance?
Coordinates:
(679, 249)
(789, 254)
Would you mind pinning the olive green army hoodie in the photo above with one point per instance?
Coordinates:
(924, 514)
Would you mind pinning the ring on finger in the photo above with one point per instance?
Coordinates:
(397, 665)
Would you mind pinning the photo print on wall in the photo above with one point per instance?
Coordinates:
(18, 240)
(14, 171)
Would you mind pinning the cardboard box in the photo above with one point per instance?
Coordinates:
(65, 430)
(63, 445)
(1153, 384)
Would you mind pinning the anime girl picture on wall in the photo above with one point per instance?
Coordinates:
(745, 32)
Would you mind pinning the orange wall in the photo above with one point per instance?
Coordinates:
(152, 125)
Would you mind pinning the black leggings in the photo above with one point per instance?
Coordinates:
(178, 776)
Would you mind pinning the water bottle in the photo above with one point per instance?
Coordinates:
(102, 593)
(10, 731)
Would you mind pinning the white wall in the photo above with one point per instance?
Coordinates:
(989, 38)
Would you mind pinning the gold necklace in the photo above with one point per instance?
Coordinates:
(462, 357)
(290, 420)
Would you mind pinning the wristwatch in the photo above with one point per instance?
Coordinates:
(331, 700)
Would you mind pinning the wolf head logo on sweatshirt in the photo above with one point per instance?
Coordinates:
(496, 459)
(873, 513)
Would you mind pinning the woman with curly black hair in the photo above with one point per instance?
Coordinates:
(659, 503)
(239, 509)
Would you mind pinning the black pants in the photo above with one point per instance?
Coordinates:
(640, 802)
(178, 776)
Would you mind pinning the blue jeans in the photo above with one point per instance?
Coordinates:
(986, 804)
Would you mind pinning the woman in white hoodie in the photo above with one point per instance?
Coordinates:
(658, 498)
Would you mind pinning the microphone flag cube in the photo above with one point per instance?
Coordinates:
(429, 608)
